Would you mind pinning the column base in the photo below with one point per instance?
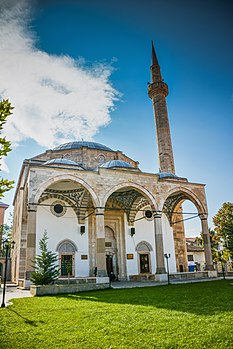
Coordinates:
(102, 280)
(26, 284)
(161, 271)
(101, 273)
(161, 277)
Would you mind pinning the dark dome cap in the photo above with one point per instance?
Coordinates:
(116, 163)
(80, 144)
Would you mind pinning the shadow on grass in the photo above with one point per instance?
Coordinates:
(204, 298)
(26, 320)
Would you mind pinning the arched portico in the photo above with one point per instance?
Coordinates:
(173, 210)
(58, 195)
(128, 199)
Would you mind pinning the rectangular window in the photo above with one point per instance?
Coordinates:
(190, 258)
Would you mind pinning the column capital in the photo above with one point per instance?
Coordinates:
(99, 211)
(32, 207)
(157, 214)
(203, 216)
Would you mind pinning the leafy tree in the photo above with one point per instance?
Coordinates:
(46, 269)
(5, 232)
(5, 111)
(215, 241)
(223, 225)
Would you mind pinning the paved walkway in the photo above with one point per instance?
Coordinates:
(15, 292)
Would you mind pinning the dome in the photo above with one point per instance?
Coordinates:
(167, 174)
(62, 162)
(80, 144)
(116, 163)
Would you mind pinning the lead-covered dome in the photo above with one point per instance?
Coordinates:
(80, 144)
(63, 162)
(167, 175)
(116, 164)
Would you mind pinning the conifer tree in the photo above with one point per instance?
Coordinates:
(46, 268)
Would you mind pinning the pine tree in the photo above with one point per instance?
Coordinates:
(46, 268)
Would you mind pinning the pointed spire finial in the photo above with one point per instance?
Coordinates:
(154, 57)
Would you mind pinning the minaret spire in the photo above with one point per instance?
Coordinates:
(154, 57)
(158, 92)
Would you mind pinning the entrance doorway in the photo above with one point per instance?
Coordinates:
(144, 249)
(66, 250)
(109, 265)
(66, 264)
(144, 263)
(111, 253)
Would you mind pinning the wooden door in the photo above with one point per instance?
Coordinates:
(144, 263)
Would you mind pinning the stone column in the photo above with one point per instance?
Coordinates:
(31, 242)
(207, 245)
(160, 264)
(100, 247)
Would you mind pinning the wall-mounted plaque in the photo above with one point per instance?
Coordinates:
(84, 256)
(130, 256)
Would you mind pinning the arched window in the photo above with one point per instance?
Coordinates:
(144, 246)
(66, 246)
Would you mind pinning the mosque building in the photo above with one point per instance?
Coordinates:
(102, 214)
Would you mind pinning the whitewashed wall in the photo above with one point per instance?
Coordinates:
(144, 231)
(61, 228)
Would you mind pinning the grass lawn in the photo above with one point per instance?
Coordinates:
(192, 316)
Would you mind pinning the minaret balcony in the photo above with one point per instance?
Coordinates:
(156, 88)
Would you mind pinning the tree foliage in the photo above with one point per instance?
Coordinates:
(5, 111)
(46, 268)
(223, 225)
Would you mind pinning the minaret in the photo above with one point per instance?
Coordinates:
(158, 92)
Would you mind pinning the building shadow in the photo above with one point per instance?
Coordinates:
(204, 298)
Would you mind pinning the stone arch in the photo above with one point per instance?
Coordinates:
(172, 208)
(131, 202)
(58, 178)
(177, 196)
(68, 242)
(143, 246)
(136, 186)
(110, 231)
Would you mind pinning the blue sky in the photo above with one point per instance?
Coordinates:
(105, 46)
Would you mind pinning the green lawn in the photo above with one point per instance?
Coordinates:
(192, 316)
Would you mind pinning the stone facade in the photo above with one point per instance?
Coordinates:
(103, 215)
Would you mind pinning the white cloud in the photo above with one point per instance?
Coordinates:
(56, 98)
(4, 166)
